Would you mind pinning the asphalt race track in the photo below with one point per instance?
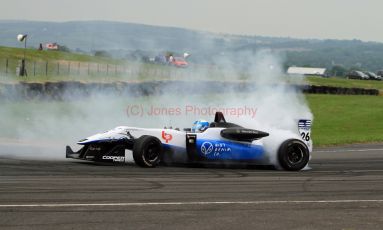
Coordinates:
(343, 190)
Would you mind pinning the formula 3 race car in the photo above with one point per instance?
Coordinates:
(218, 141)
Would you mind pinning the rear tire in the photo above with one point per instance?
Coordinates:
(293, 155)
(147, 151)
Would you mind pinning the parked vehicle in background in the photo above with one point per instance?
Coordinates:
(373, 76)
(169, 59)
(380, 73)
(357, 75)
(179, 62)
(160, 59)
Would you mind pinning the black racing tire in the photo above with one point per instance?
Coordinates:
(147, 151)
(293, 155)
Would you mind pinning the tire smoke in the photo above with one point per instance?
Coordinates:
(40, 129)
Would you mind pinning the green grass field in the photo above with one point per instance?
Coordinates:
(346, 119)
(46, 65)
(44, 55)
(43, 66)
(72, 66)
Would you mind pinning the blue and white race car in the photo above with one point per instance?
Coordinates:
(217, 141)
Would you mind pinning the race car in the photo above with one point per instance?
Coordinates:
(217, 141)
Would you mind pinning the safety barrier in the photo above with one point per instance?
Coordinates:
(67, 90)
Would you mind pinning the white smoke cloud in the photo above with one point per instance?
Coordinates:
(41, 129)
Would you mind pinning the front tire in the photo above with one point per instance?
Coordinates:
(293, 155)
(147, 151)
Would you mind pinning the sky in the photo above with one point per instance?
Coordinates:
(333, 19)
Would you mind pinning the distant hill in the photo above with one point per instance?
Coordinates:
(95, 35)
(128, 39)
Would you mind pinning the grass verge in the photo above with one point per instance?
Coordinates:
(346, 119)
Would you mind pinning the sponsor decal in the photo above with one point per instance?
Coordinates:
(207, 148)
(114, 158)
(166, 136)
(92, 148)
(304, 124)
(216, 149)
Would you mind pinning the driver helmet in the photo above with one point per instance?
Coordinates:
(200, 126)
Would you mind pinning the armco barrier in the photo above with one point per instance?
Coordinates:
(73, 89)
(339, 90)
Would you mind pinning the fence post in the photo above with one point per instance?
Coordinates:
(6, 66)
(46, 68)
(78, 69)
(58, 68)
(69, 68)
(34, 68)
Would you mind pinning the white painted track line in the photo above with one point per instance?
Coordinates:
(54, 205)
(346, 150)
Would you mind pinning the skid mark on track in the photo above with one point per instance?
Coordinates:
(306, 184)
